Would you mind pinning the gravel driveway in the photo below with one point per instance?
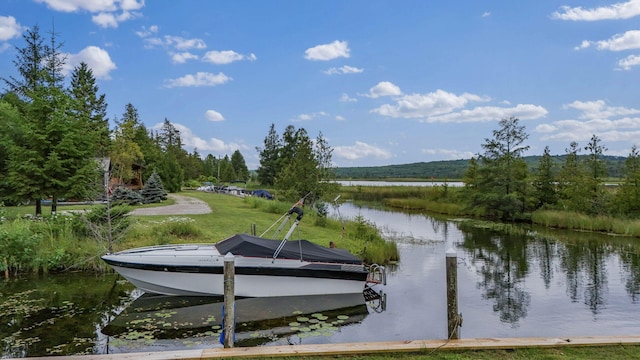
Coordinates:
(185, 205)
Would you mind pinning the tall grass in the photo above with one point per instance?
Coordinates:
(578, 221)
(63, 242)
(45, 244)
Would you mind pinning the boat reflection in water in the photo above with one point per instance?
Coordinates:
(161, 321)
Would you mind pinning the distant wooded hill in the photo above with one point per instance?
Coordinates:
(452, 169)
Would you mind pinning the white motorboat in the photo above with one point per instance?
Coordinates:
(263, 267)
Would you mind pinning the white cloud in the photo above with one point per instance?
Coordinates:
(585, 44)
(599, 109)
(308, 117)
(491, 113)
(326, 52)
(623, 10)
(93, 6)
(169, 41)
(109, 12)
(629, 62)
(486, 14)
(435, 103)
(619, 42)
(340, 118)
(153, 29)
(598, 115)
(180, 43)
(344, 70)
(384, 88)
(226, 57)
(199, 79)
(346, 98)
(449, 154)
(213, 115)
(10, 28)
(181, 58)
(97, 59)
(360, 150)
(212, 145)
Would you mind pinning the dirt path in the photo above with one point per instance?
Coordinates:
(185, 205)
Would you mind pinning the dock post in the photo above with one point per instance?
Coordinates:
(454, 320)
(229, 300)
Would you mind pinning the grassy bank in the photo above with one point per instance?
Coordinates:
(451, 201)
(617, 352)
(63, 242)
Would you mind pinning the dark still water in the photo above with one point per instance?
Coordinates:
(509, 286)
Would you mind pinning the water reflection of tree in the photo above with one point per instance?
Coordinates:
(584, 263)
(502, 264)
(630, 259)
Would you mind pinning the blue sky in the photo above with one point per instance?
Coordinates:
(385, 82)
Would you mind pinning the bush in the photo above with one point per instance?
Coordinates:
(17, 245)
(127, 196)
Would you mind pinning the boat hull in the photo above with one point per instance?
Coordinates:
(198, 270)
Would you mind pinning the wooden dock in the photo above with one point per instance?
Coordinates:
(367, 348)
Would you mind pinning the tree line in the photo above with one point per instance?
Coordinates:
(54, 135)
(499, 182)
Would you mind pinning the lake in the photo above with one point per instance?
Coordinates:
(397, 183)
(552, 283)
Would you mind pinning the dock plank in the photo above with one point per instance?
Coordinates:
(367, 348)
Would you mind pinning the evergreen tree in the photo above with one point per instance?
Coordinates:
(572, 184)
(227, 172)
(470, 178)
(269, 158)
(195, 166)
(598, 201)
(172, 171)
(239, 166)
(210, 167)
(10, 118)
(544, 183)
(153, 190)
(628, 196)
(90, 107)
(502, 175)
(326, 184)
(53, 157)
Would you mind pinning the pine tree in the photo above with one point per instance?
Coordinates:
(91, 108)
(153, 190)
(53, 157)
(239, 166)
(502, 175)
(572, 182)
(269, 158)
(597, 171)
(628, 196)
(544, 183)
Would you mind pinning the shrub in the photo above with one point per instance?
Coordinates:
(17, 245)
(127, 196)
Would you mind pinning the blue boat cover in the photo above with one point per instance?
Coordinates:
(254, 246)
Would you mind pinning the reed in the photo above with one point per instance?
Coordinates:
(577, 221)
